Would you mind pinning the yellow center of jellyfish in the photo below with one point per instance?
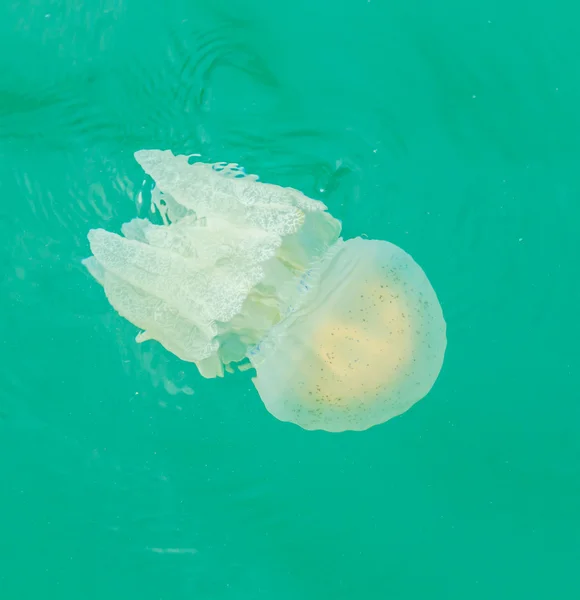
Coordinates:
(365, 351)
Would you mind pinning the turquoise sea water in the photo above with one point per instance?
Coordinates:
(451, 129)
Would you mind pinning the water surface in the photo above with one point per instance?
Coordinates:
(451, 130)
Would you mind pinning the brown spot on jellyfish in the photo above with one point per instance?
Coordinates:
(343, 335)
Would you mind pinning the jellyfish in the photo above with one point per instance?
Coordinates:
(241, 274)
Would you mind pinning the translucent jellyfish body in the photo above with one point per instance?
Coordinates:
(343, 334)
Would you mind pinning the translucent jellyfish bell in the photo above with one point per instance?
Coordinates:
(343, 334)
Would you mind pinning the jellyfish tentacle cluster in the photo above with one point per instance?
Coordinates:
(343, 334)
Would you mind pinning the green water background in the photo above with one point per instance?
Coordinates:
(448, 128)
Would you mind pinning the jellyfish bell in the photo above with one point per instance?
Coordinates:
(365, 345)
(343, 335)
